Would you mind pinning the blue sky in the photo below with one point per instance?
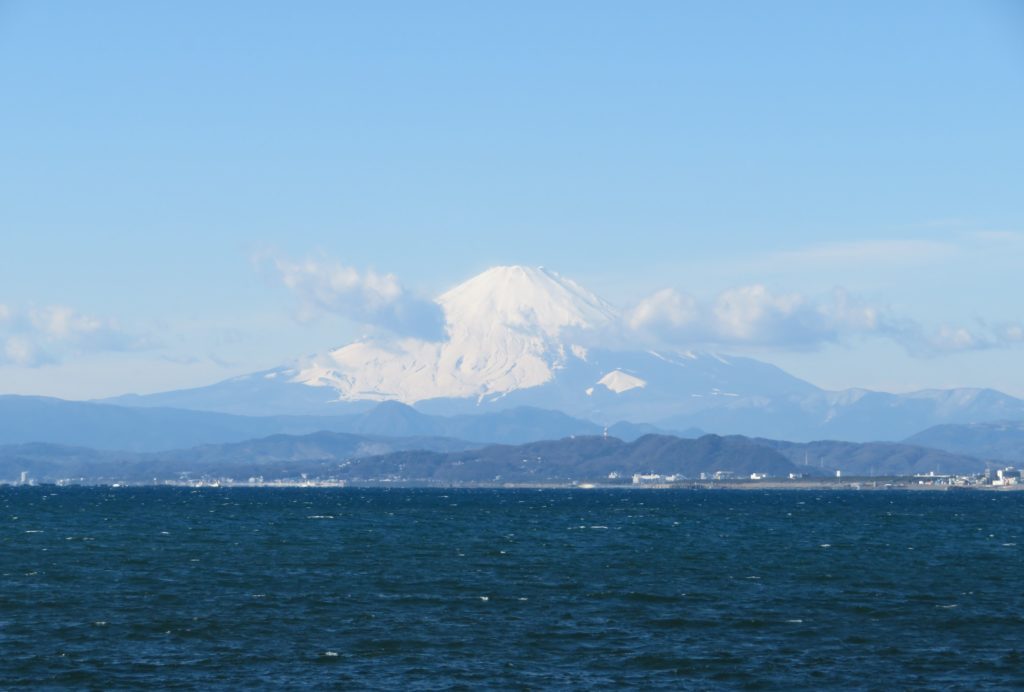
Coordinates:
(155, 155)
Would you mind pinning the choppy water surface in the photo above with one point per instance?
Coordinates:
(431, 589)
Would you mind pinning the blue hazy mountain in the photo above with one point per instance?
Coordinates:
(104, 426)
(371, 458)
(1003, 440)
(580, 458)
(875, 458)
(321, 454)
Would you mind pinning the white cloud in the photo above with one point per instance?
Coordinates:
(1012, 333)
(751, 315)
(957, 339)
(948, 338)
(62, 323)
(22, 350)
(41, 335)
(667, 308)
(326, 286)
(755, 316)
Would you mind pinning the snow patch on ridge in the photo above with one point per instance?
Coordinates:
(619, 382)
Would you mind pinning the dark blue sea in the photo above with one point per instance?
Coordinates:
(104, 588)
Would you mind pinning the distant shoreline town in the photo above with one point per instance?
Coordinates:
(1002, 480)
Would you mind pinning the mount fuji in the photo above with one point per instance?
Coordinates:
(521, 336)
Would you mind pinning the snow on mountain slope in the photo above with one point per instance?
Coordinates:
(507, 329)
(618, 382)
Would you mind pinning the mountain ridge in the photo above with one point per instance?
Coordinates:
(1002, 440)
(364, 458)
(124, 428)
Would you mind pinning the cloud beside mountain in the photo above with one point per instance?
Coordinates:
(323, 285)
(751, 315)
(754, 315)
(39, 336)
(957, 339)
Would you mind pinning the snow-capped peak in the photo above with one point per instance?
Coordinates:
(506, 330)
(524, 297)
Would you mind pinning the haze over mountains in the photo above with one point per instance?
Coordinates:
(531, 383)
(109, 427)
(517, 336)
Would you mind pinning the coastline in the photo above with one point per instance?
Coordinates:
(800, 485)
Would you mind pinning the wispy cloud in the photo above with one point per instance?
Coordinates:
(998, 236)
(949, 243)
(900, 251)
(323, 285)
(36, 336)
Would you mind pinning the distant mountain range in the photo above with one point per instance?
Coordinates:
(276, 456)
(579, 459)
(369, 458)
(1003, 441)
(590, 458)
(105, 426)
(875, 458)
(528, 337)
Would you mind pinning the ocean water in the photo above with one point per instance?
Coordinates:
(472, 589)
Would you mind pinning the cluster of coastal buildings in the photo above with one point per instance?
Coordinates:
(23, 479)
(1008, 476)
(994, 478)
